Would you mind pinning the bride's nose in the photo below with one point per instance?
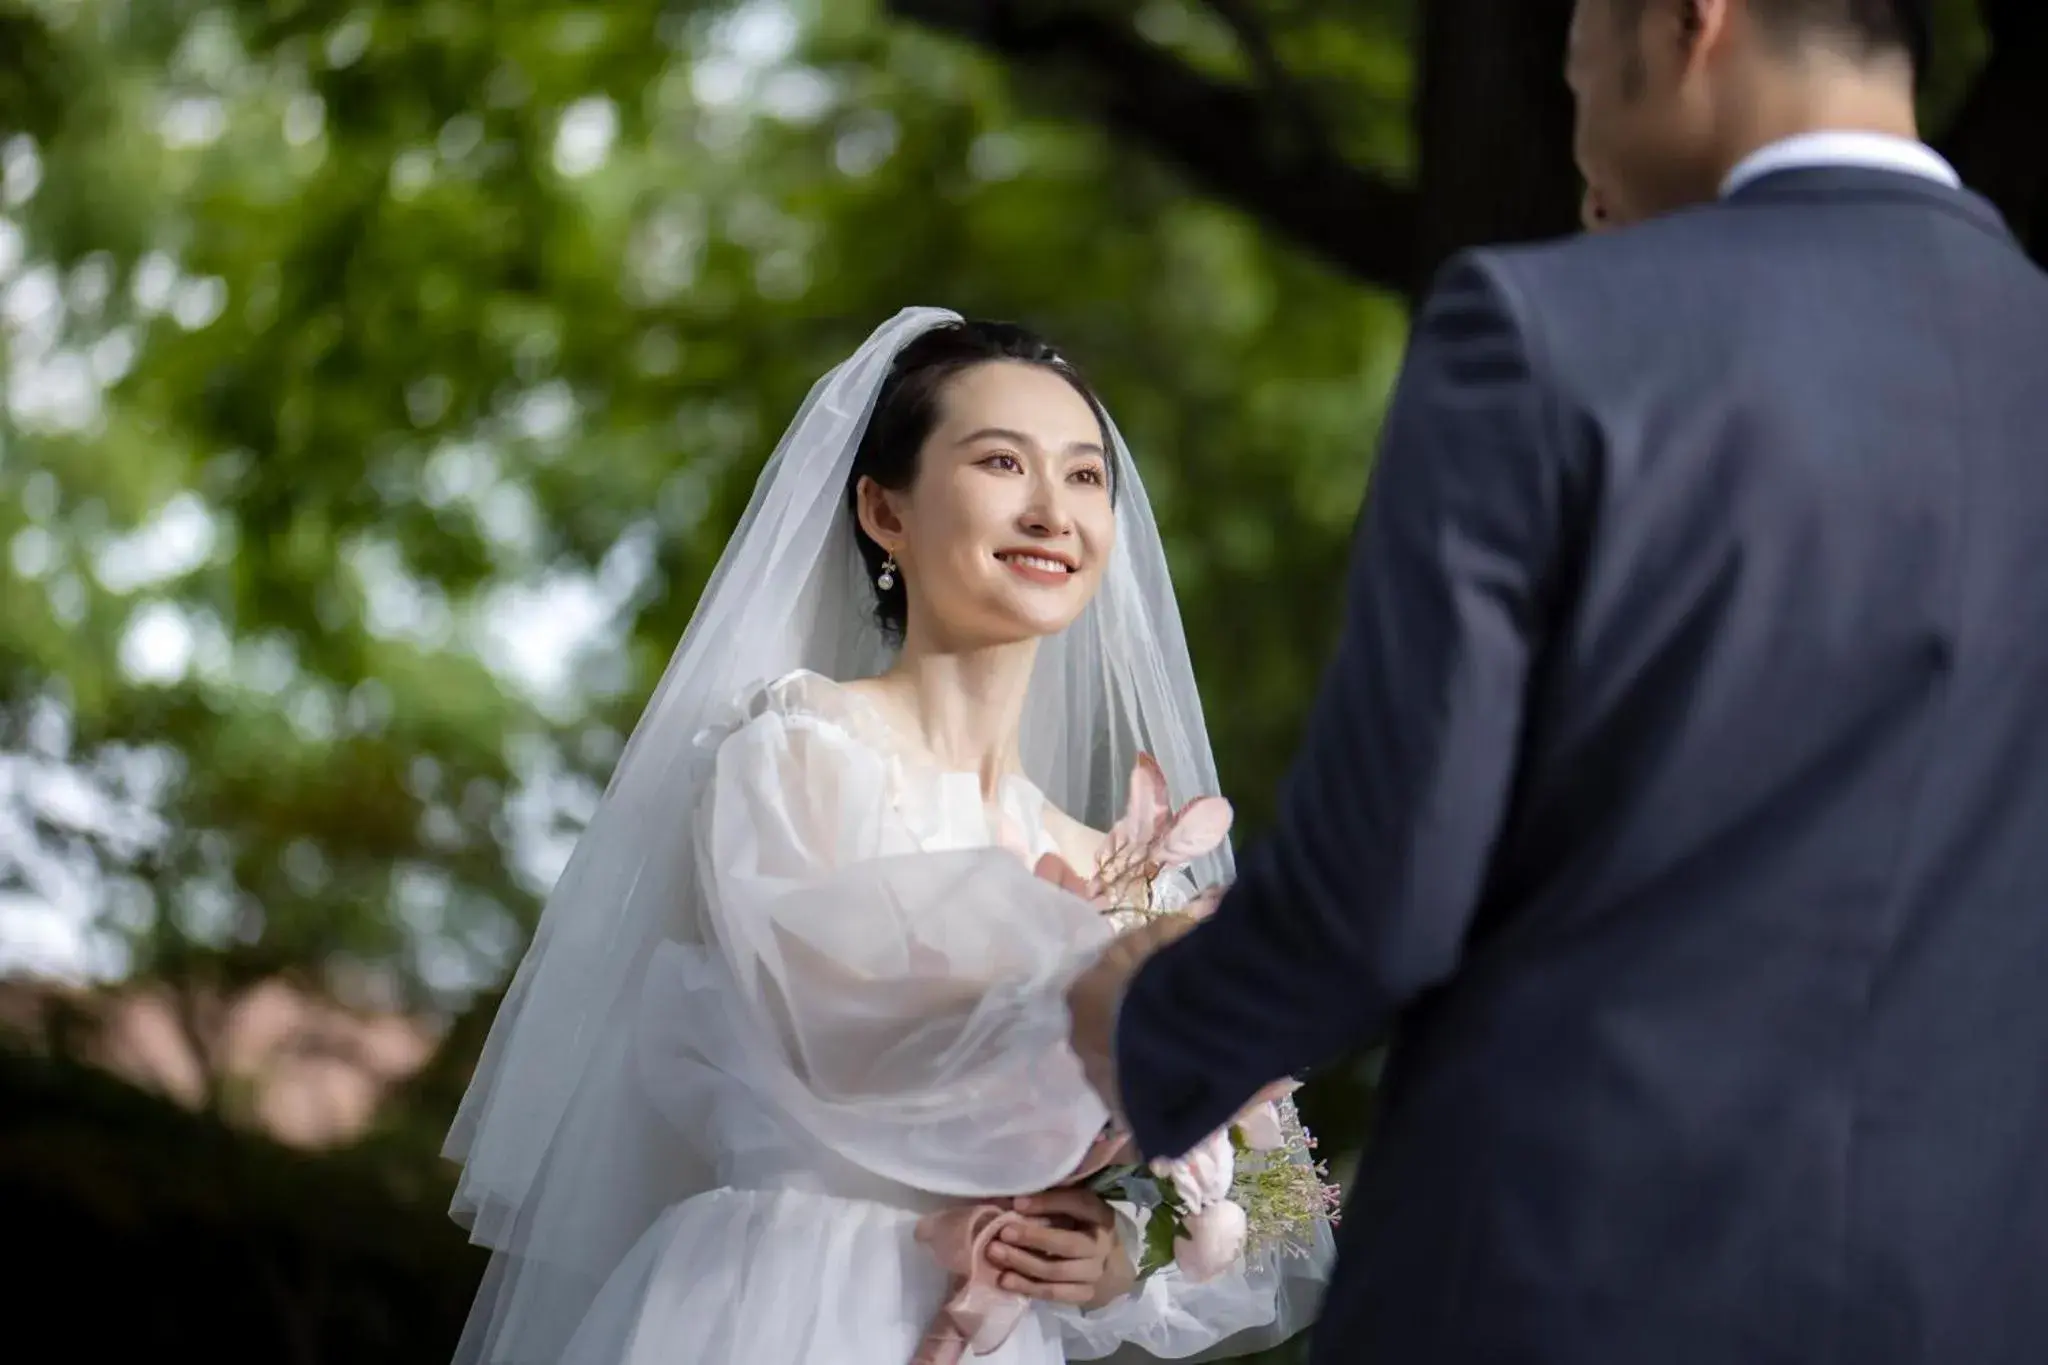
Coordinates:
(1046, 514)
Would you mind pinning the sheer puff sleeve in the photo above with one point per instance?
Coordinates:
(1254, 1307)
(903, 1009)
(899, 1009)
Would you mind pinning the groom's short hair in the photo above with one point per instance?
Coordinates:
(1873, 26)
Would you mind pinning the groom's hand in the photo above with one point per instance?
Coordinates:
(1096, 995)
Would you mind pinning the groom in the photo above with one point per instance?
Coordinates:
(1678, 795)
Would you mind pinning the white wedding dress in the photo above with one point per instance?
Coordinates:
(865, 1026)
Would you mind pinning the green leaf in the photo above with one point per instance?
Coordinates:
(1160, 1231)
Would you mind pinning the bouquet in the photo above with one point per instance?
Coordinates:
(1255, 1185)
(1251, 1188)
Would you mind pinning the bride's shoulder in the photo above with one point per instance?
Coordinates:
(799, 702)
(802, 693)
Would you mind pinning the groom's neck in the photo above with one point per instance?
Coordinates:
(1814, 92)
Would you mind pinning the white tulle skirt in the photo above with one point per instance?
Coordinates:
(779, 1277)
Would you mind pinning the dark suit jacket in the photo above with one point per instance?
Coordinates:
(1679, 795)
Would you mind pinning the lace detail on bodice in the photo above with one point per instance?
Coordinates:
(940, 810)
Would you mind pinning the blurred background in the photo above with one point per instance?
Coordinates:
(381, 382)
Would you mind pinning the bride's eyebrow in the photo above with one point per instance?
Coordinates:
(1021, 439)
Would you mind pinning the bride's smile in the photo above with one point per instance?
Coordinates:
(1053, 570)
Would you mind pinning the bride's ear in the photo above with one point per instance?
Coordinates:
(879, 515)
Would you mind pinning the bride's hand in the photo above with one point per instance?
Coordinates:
(1066, 1251)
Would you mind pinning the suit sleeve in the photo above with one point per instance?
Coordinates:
(1361, 896)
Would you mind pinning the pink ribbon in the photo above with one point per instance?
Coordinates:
(980, 1314)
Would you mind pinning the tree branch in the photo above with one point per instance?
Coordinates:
(37, 75)
(1997, 138)
(1251, 35)
(1242, 146)
(1493, 125)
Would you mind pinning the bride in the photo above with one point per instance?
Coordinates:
(798, 987)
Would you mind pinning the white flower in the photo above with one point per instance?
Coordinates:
(1210, 1241)
(1203, 1176)
(1260, 1128)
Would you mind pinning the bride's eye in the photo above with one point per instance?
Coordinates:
(1005, 461)
(1092, 474)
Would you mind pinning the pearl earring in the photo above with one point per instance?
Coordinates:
(887, 578)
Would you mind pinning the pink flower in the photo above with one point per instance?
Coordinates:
(1259, 1126)
(1203, 1176)
(1211, 1241)
(1152, 838)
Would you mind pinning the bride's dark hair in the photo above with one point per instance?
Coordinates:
(906, 410)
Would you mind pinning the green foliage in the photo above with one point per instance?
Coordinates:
(1160, 1230)
(400, 324)
(346, 337)
(409, 322)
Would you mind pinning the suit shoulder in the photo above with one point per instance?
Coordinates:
(1497, 300)
(1536, 289)
(1521, 262)
(1589, 307)
(1571, 270)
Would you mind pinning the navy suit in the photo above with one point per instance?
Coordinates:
(1678, 797)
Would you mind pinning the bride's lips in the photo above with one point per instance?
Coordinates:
(1050, 568)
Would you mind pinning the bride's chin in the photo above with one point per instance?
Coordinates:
(1041, 624)
(994, 614)
(1007, 625)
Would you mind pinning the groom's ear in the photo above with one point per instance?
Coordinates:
(1704, 23)
(879, 516)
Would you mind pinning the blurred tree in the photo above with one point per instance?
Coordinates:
(1279, 107)
(1998, 137)
(383, 380)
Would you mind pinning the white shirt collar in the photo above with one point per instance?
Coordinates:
(1875, 151)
